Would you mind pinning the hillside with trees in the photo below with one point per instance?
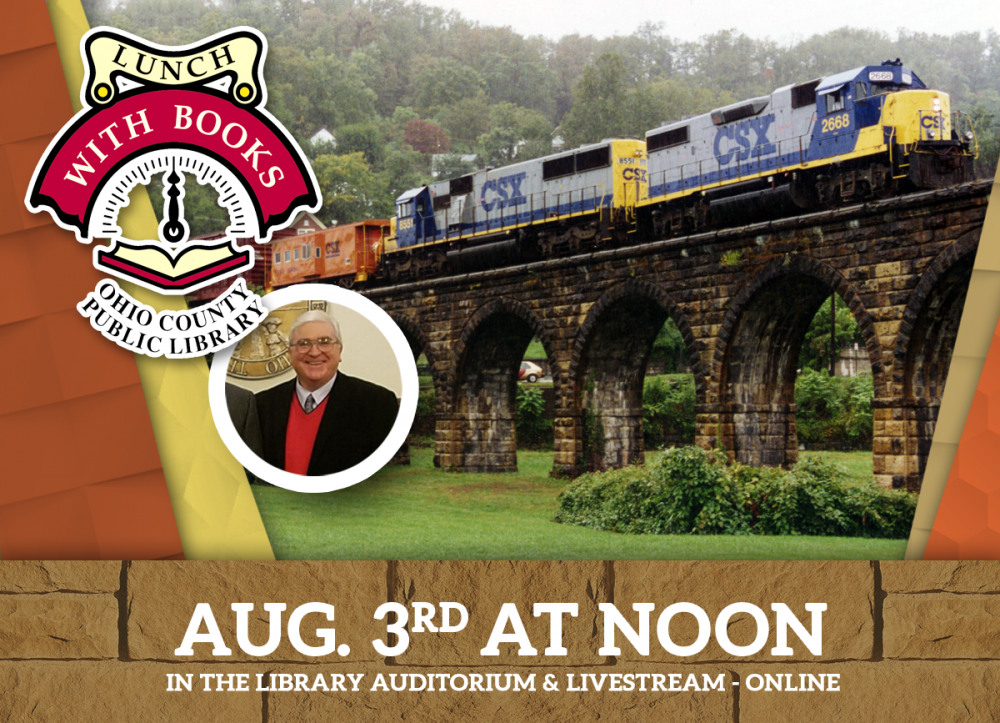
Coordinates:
(399, 84)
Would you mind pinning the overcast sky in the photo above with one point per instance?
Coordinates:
(784, 21)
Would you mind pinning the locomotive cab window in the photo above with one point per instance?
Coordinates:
(835, 100)
(860, 93)
(405, 209)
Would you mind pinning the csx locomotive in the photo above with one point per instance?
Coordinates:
(866, 133)
(536, 209)
(869, 132)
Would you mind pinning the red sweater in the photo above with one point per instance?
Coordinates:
(301, 436)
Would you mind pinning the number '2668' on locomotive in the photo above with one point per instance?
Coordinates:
(858, 134)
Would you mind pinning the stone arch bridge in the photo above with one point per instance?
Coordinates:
(742, 300)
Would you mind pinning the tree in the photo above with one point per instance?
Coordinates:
(351, 190)
(426, 137)
(815, 352)
(402, 170)
(367, 138)
(515, 134)
(444, 81)
(465, 120)
(605, 105)
(452, 166)
(679, 96)
(310, 90)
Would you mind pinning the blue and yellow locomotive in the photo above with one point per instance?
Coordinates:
(869, 132)
(540, 208)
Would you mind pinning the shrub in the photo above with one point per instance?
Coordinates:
(690, 490)
(687, 491)
(668, 410)
(834, 412)
(423, 422)
(807, 501)
(700, 494)
(533, 427)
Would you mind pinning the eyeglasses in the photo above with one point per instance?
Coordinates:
(324, 343)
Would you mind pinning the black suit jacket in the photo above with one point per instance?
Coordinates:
(358, 417)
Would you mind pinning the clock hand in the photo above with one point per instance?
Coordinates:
(175, 228)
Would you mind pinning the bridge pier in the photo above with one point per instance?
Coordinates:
(903, 431)
(762, 434)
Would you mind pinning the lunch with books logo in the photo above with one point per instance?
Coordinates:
(186, 114)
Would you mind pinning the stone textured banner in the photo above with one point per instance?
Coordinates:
(909, 640)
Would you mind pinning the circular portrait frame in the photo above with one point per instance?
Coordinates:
(335, 296)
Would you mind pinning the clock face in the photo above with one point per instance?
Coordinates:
(178, 167)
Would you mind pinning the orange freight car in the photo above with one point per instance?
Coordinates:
(343, 255)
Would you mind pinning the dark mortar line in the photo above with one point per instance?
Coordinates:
(59, 592)
(877, 613)
(264, 715)
(391, 639)
(736, 683)
(987, 593)
(123, 612)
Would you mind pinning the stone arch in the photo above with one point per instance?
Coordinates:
(921, 359)
(924, 345)
(607, 371)
(420, 344)
(641, 289)
(481, 404)
(756, 355)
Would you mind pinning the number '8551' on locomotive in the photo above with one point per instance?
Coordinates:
(865, 133)
(536, 209)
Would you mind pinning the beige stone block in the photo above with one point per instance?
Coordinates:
(846, 587)
(941, 625)
(59, 576)
(109, 692)
(894, 464)
(483, 588)
(886, 691)
(562, 706)
(894, 430)
(971, 576)
(58, 626)
(163, 596)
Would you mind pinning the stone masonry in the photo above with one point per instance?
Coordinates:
(742, 299)
(94, 641)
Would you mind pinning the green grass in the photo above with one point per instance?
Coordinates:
(858, 464)
(535, 350)
(422, 513)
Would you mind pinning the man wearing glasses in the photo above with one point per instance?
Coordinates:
(323, 421)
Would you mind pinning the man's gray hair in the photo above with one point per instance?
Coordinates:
(311, 316)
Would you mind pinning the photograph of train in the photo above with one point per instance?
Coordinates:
(738, 252)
